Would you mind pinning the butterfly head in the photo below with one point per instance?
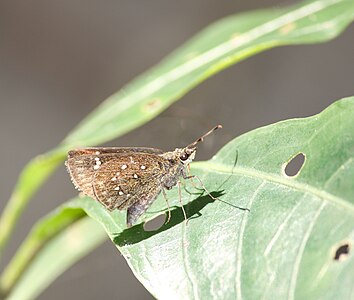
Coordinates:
(186, 155)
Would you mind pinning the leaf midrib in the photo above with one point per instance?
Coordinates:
(274, 178)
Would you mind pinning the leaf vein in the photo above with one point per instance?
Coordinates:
(275, 178)
(185, 264)
(340, 168)
(281, 227)
(240, 243)
(300, 252)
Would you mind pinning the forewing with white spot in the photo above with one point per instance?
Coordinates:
(82, 164)
(128, 178)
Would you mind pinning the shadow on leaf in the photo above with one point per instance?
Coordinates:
(137, 233)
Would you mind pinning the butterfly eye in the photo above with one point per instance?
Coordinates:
(184, 156)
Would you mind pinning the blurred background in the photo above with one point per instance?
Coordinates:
(60, 59)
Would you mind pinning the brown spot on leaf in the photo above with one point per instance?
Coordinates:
(153, 105)
(287, 28)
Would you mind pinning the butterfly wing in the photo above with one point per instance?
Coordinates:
(81, 163)
(112, 150)
(117, 177)
(128, 179)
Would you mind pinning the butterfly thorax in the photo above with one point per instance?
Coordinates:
(178, 160)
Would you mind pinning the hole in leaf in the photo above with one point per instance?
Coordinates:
(342, 252)
(155, 223)
(294, 166)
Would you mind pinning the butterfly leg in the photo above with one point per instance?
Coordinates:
(180, 200)
(168, 205)
(183, 183)
(210, 195)
(202, 184)
(191, 178)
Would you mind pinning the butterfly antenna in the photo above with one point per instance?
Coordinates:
(203, 136)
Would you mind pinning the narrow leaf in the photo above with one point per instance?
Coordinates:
(42, 232)
(56, 256)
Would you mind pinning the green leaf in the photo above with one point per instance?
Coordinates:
(284, 247)
(41, 233)
(58, 254)
(220, 45)
(30, 180)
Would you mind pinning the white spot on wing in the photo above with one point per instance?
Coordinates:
(124, 167)
(98, 163)
(143, 167)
